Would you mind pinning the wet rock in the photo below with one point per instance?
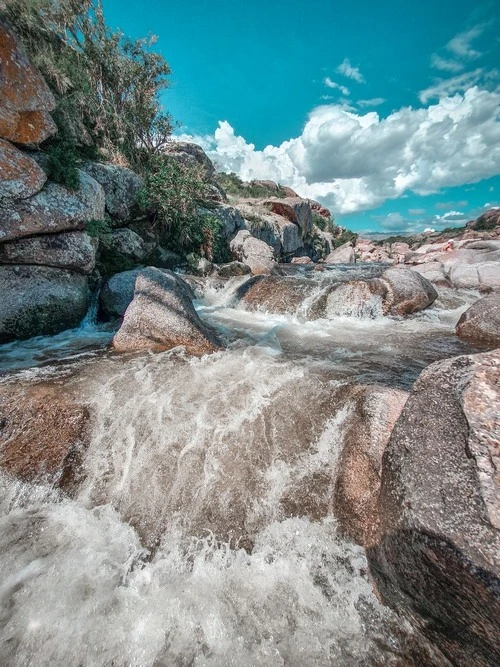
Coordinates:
(344, 254)
(161, 316)
(251, 251)
(40, 300)
(407, 291)
(436, 552)
(120, 186)
(373, 411)
(480, 323)
(233, 269)
(75, 251)
(20, 176)
(43, 432)
(53, 209)
(275, 294)
(301, 260)
(25, 98)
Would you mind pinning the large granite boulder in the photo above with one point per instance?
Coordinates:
(120, 186)
(259, 256)
(75, 251)
(434, 272)
(191, 155)
(480, 323)
(344, 254)
(53, 209)
(435, 554)
(162, 316)
(25, 98)
(43, 432)
(406, 291)
(371, 414)
(40, 300)
(20, 176)
(295, 210)
(230, 217)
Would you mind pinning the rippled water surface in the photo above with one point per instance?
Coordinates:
(202, 532)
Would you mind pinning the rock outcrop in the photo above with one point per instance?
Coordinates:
(75, 251)
(20, 176)
(480, 323)
(43, 432)
(120, 186)
(436, 551)
(40, 300)
(161, 316)
(344, 254)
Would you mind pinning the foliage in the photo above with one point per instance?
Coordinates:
(176, 192)
(99, 229)
(106, 86)
(257, 223)
(323, 224)
(346, 236)
(484, 225)
(233, 185)
(62, 164)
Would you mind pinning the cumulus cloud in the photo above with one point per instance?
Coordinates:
(346, 69)
(332, 84)
(355, 161)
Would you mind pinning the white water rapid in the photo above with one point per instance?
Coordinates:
(202, 532)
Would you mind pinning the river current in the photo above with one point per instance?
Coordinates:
(201, 532)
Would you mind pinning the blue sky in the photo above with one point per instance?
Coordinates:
(388, 113)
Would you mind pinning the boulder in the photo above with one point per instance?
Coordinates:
(480, 323)
(276, 294)
(230, 217)
(434, 272)
(435, 555)
(120, 186)
(162, 316)
(344, 254)
(20, 176)
(25, 98)
(43, 432)
(53, 209)
(259, 256)
(407, 291)
(163, 258)
(191, 155)
(489, 276)
(233, 269)
(372, 413)
(301, 260)
(464, 276)
(75, 251)
(127, 243)
(40, 300)
(294, 209)
(29, 128)
(118, 292)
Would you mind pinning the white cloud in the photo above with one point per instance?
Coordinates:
(355, 161)
(373, 102)
(416, 211)
(331, 84)
(351, 72)
(444, 64)
(459, 84)
(461, 44)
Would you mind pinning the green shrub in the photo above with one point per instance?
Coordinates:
(257, 223)
(484, 225)
(233, 185)
(346, 236)
(99, 229)
(62, 164)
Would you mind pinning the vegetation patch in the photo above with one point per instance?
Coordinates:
(233, 185)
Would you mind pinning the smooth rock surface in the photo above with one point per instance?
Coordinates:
(20, 176)
(407, 291)
(436, 551)
(162, 316)
(251, 251)
(40, 300)
(480, 323)
(344, 254)
(43, 432)
(28, 128)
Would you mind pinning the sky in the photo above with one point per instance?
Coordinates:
(388, 113)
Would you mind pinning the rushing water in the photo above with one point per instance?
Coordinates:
(202, 532)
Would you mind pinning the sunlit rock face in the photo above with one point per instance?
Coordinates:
(481, 322)
(436, 551)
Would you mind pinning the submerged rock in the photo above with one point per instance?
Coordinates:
(436, 552)
(233, 269)
(75, 251)
(162, 316)
(40, 300)
(43, 432)
(481, 322)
